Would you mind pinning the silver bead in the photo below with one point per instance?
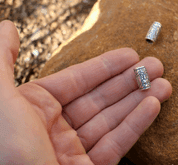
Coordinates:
(153, 32)
(142, 78)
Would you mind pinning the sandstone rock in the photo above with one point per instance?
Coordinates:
(125, 24)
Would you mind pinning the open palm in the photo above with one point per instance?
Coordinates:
(89, 113)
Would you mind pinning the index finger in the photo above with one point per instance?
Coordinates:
(74, 81)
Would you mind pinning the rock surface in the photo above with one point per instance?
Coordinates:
(125, 24)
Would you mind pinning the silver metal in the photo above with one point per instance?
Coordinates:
(142, 78)
(153, 32)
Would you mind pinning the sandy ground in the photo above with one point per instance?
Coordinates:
(42, 25)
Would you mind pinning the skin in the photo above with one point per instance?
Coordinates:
(89, 113)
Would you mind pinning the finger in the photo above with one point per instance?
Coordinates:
(107, 120)
(114, 145)
(108, 93)
(76, 80)
(9, 44)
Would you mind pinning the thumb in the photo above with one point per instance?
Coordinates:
(9, 46)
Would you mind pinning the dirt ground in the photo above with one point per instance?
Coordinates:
(42, 25)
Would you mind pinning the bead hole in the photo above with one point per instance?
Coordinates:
(149, 41)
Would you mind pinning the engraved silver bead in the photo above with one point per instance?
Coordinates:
(142, 78)
(153, 32)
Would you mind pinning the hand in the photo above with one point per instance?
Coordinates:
(89, 113)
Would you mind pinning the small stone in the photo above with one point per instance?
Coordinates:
(44, 10)
(53, 26)
(36, 53)
(47, 40)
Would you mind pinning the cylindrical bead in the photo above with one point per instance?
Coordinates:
(153, 32)
(142, 78)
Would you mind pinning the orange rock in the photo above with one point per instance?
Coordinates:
(125, 24)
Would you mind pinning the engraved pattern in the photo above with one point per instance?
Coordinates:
(142, 78)
(154, 31)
